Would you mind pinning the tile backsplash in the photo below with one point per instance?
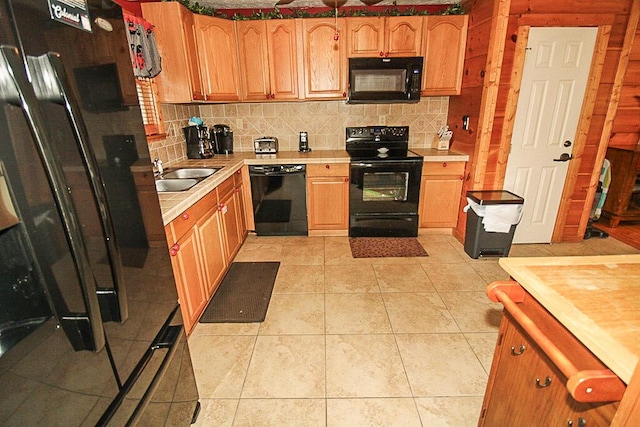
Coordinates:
(325, 122)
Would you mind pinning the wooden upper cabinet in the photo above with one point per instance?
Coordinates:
(384, 36)
(403, 35)
(443, 50)
(325, 58)
(283, 58)
(180, 79)
(218, 53)
(365, 36)
(268, 59)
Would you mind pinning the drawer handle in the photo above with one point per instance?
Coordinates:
(600, 385)
(519, 352)
(546, 383)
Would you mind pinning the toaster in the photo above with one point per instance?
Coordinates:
(265, 145)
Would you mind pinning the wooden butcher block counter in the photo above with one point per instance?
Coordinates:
(568, 344)
(597, 298)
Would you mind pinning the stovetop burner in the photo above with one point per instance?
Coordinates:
(379, 143)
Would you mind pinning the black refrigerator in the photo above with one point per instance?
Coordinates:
(90, 326)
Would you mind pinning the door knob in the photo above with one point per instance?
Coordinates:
(564, 157)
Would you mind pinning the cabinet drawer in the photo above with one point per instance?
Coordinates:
(328, 169)
(237, 177)
(186, 220)
(443, 168)
(225, 188)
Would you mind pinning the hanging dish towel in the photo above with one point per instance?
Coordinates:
(145, 57)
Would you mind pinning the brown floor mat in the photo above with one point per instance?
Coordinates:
(381, 247)
(244, 294)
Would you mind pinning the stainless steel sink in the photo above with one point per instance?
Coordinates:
(167, 185)
(191, 173)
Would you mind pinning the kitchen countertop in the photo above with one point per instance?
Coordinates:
(597, 298)
(173, 204)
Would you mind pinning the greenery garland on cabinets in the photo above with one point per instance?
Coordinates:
(275, 13)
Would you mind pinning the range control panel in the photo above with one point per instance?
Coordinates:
(378, 133)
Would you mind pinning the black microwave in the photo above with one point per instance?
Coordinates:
(384, 80)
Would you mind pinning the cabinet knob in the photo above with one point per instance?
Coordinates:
(546, 383)
(461, 177)
(344, 94)
(185, 215)
(519, 351)
(444, 164)
(174, 249)
(346, 179)
(327, 166)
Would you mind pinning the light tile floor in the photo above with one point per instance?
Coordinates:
(355, 342)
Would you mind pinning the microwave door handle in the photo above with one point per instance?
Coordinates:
(84, 330)
(52, 84)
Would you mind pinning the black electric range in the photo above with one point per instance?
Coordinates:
(384, 181)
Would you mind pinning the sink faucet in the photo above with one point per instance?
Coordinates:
(158, 165)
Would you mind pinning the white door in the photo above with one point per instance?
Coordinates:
(554, 80)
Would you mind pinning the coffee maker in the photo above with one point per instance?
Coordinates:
(223, 139)
(198, 142)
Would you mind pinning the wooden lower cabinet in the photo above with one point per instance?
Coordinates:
(232, 215)
(202, 242)
(214, 259)
(526, 388)
(189, 275)
(440, 192)
(328, 197)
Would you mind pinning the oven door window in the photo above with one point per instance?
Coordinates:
(385, 186)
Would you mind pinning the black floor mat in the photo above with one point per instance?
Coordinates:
(274, 211)
(244, 294)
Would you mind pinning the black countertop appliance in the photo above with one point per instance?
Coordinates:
(223, 139)
(90, 325)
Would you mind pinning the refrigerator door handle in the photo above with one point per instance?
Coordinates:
(168, 339)
(51, 83)
(85, 331)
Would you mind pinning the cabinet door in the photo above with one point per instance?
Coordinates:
(189, 275)
(365, 37)
(328, 196)
(443, 51)
(180, 79)
(254, 62)
(403, 35)
(516, 396)
(283, 58)
(325, 58)
(440, 201)
(229, 209)
(218, 54)
(212, 248)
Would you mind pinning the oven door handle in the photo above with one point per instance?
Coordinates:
(363, 165)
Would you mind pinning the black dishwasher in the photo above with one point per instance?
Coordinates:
(279, 199)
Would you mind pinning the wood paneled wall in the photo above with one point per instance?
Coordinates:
(626, 125)
(490, 61)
